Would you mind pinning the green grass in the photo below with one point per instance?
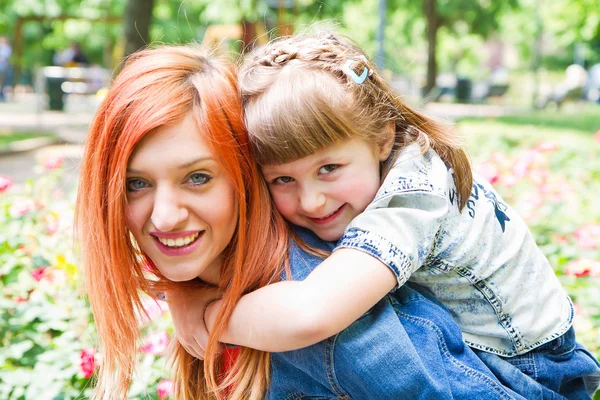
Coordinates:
(573, 127)
(583, 118)
(6, 138)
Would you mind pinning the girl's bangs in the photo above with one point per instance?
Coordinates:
(303, 120)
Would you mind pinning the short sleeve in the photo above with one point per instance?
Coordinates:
(401, 225)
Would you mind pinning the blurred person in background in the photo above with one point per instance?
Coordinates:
(5, 53)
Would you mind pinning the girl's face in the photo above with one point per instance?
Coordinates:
(323, 192)
(182, 209)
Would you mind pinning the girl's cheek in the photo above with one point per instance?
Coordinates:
(284, 204)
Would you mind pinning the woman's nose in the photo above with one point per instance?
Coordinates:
(169, 212)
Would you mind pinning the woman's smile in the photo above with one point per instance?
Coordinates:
(182, 245)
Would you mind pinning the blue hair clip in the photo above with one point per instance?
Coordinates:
(358, 79)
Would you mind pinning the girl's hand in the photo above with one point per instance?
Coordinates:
(187, 311)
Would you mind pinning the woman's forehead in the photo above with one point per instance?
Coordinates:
(178, 146)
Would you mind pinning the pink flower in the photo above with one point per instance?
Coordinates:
(509, 180)
(583, 267)
(546, 146)
(88, 362)
(560, 239)
(19, 299)
(21, 207)
(152, 309)
(5, 183)
(38, 273)
(530, 159)
(51, 163)
(52, 225)
(57, 194)
(155, 344)
(55, 276)
(489, 171)
(165, 388)
(597, 136)
(588, 236)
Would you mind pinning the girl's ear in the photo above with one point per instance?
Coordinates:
(385, 149)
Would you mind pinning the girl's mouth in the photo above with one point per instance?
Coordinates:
(329, 217)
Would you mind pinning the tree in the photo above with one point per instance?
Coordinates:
(468, 16)
(575, 22)
(137, 20)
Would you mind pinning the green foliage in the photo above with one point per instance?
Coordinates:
(464, 24)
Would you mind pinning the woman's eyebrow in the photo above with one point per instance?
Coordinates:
(194, 162)
(184, 165)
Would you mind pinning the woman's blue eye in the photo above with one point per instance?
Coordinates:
(325, 169)
(198, 178)
(135, 184)
(282, 180)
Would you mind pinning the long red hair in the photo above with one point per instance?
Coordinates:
(159, 87)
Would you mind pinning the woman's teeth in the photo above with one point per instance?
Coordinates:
(179, 242)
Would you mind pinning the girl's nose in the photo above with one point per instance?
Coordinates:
(169, 213)
(312, 200)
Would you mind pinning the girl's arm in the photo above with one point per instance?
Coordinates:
(381, 248)
(290, 315)
(187, 313)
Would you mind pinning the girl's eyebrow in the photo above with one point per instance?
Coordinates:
(184, 165)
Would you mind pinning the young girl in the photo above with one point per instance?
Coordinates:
(345, 158)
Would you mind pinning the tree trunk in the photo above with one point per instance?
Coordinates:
(433, 24)
(138, 16)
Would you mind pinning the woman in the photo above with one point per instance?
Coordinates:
(156, 91)
(170, 200)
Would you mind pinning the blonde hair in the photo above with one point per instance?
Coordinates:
(158, 87)
(298, 99)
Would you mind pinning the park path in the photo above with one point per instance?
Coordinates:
(71, 128)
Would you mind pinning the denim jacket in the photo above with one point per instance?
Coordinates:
(482, 262)
(406, 347)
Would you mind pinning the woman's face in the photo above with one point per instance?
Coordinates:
(181, 207)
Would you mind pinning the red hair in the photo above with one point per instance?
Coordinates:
(158, 87)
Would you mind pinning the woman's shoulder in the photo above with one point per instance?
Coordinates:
(302, 259)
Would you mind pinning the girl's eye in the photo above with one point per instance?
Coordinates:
(199, 178)
(326, 169)
(282, 180)
(136, 184)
